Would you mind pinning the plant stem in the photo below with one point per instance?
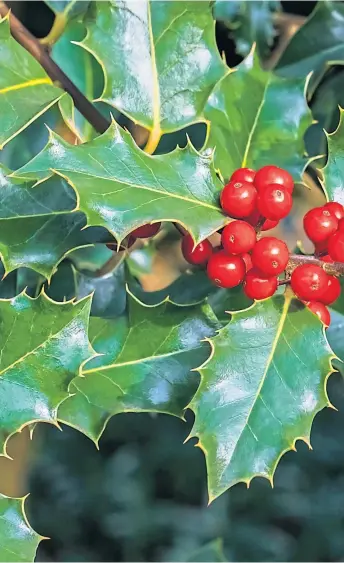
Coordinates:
(335, 269)
(34, 47)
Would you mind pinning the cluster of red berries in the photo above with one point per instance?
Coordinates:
(257, 201)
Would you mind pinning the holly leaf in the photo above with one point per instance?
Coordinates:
(68, 9)
(260, 390)
(163, 80)
(37, 227)
(316, 43)
(26, 91)
(120, 187)
(18, 541)
(250, 123)
(332, 173)
(249, 22)
(147, 363)
(42, 346)
(211, 551)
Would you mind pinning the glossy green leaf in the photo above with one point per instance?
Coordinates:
(318, 42)
(68, 8)
(42, 346)
(251, 122)
(109, 292)
(249, 22)
(37, 227)
(260, 390)
(26, 91)
(333, 173)
(120, 187)
(18, 541)
(147, 364)
(163, 79)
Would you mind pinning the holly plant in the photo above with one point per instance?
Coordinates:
(125, 129)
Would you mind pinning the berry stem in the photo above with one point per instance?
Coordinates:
(260, 224)
(335, 269)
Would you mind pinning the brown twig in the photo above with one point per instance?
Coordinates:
(33, 46)
(335, 269)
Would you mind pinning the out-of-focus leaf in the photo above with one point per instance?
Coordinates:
(249, 22)
(18, 541)
(26, 91)
(43, 344)
(212, 551)
(260, 390)
(146, 365)
(317, 43)
(120, 187)
(256, 119)
(160, 59)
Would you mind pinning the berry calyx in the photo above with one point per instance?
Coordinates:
(248, 261)
(309, 282)
(336, 208)
(146, 231)
(336, 246)
(332, 291)
(321, 311)
(259, 286)
(198, 254)
(238, 199)
(274, 202)
(270, 255)
(273, 175)
(319, 224)
(226, 271)
(243, 175)
(238, 237)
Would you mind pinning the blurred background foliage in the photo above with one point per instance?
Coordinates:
(143, 497)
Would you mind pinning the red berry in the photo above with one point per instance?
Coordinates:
(243, 175)
(226, 271)
(270, 255)
(248, 261)
(238, 199)
(259, 286)
(321, 247)
(273, 175)
(336, 246)
(319, 224)
(332, 291)
(336, 208)
(327, 259)
(238, 237)
(309, 282)
(198, 254)
(321, 311)
(274, 202)
(341, 225)
(146, 231)
(269, 224)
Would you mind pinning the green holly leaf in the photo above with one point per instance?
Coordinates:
(316, 43)
(147, 363)
(68, 9)
(18, 541)
(250, 122)
(37, 227)
(260, 390)
(120, 187)
(43, 344)
(249, 22)
(333, 184)
(163, 80)
(26, 91)
(86, 73)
